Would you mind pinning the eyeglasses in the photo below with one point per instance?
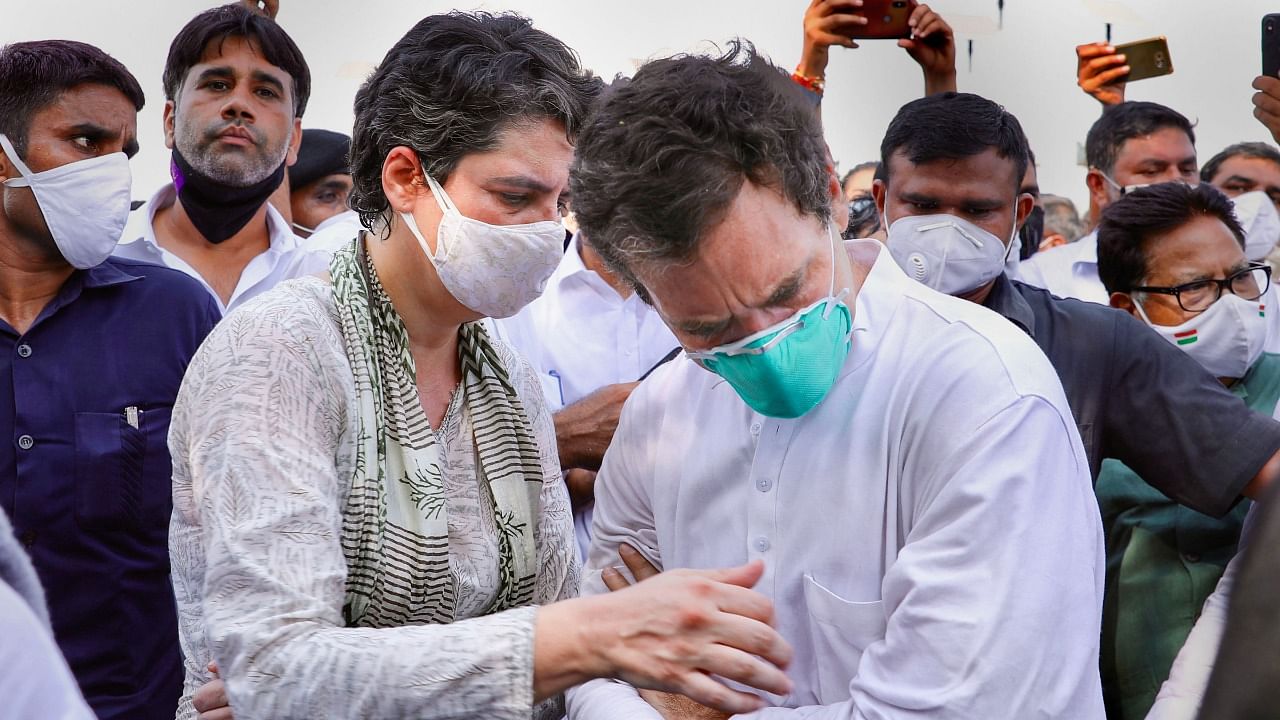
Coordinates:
(1248, 284)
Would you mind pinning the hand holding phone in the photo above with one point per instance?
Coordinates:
(1100, 72)
(1146, 58)
(1266, 102)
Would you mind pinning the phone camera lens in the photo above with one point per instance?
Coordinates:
(888, 19)
(900, 3)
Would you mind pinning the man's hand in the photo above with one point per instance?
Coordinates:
(1266, 104)
(211, 700)
(585, 428)
(827, 23)
(670, 705)
(933, 46)
(678, 707)
(1098, 72)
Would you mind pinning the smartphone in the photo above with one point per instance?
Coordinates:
(1271, 45)
(1146, 59)
(886, 19)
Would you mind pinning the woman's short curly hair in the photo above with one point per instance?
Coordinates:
(450, 87)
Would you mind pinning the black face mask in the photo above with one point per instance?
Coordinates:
(1032, 232)
(219, 211)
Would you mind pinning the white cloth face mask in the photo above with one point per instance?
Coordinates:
(494, 270)
(84, 203)
(1226, 339)
(948, 253)
(1257, 215)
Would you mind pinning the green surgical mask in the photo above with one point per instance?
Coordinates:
(786, 369)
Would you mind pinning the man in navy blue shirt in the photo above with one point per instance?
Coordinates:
(92, 351)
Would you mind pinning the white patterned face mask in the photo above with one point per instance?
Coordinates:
(494, 270)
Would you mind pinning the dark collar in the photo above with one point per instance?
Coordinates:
(105, 274)
(1005, 299)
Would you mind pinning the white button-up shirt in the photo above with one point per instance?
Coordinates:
(1069, 271)
(932, 544)
(285, 258)
(581, 335)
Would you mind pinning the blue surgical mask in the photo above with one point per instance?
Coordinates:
(786, 369)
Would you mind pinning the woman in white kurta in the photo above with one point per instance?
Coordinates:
(369, 518)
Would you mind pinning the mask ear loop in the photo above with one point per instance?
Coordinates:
(832, 298)
(1137, 304)
(17, 163)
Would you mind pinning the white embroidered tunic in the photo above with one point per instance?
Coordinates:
(262, 444)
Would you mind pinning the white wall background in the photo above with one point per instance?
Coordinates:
(1029, 65)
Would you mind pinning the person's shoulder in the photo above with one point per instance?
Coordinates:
(1073, 308)
(1268, 365)
(173, 285)
(952, 337)
(306, 302)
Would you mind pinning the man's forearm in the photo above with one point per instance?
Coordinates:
(937, 83)
(1264, 479)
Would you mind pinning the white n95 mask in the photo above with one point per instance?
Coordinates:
(1257, 215)
(84, 203)
(494, 270)
(947, 253)
(1226, 339)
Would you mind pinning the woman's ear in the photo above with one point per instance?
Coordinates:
(402, 179)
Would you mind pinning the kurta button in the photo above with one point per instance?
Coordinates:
(755, 428)
(762, 544)
(26, 442)
(24, 351)
(764, 484)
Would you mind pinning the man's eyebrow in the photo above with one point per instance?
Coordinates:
(704, 328)
(263, 76)
(221, 72)
(522, 181)
(786, 289)
(99, 133)
(334, 185)
(921, 198)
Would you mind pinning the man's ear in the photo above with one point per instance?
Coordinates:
(1099, 188)
(169, 123)
(1123, 301)
(294, 143)
(7, 169)
(879, 191)
(1026, 203)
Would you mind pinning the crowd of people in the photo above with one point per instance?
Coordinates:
(541, 396)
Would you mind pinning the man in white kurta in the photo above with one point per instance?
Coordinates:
(931, 540)
(904, 463)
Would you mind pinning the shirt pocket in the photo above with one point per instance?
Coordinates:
(109, 458)
(840, 631)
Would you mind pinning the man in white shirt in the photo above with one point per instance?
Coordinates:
(862, 434)
(1132, 145)
(236, 86)
(590, 338)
